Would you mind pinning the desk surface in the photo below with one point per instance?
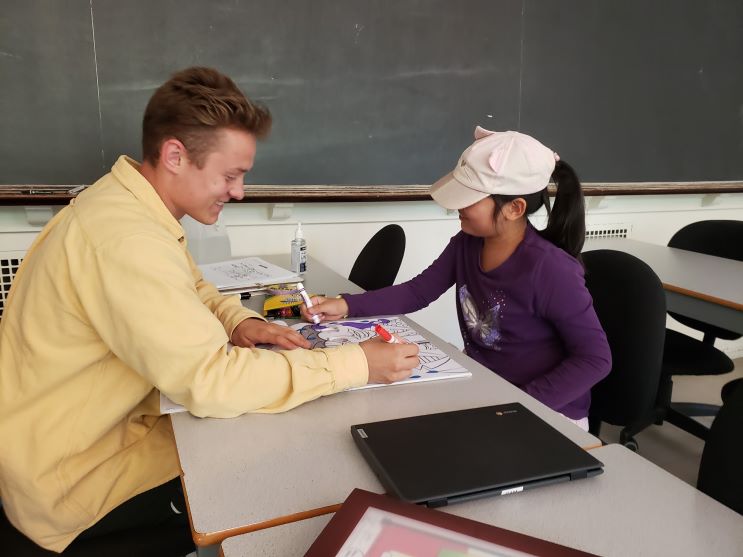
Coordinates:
(634, 508)
(259, 470)
(717, 279)
(703, 286)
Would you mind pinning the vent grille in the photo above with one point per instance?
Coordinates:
(8, 268)
(609, 231)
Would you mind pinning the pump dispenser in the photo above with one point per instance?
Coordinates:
(299, 251)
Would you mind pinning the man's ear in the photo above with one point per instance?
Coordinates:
(515, 209)
(173, 155)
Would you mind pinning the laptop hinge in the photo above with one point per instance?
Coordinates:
(579, 475)
(433, 503)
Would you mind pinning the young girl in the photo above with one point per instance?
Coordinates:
(522, 303)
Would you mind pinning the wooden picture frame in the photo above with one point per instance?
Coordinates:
(373, 525)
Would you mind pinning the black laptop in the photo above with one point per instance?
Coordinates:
(449, 457)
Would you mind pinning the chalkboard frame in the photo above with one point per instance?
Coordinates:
(60, 194)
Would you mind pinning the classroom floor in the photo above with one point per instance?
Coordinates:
(669, 447)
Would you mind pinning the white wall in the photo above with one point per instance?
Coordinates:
(336, 232)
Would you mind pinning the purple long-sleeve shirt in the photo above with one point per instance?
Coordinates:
(530, 320)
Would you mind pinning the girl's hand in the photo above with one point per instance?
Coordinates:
(327, 309)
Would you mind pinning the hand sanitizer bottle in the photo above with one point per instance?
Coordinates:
(299, 251)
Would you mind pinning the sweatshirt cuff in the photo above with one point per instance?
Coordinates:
(349, 366)
(239, 317)
(348, 298)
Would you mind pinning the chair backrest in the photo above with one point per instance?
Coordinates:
(630, 303)
(722, 238)
(721, 468)
(377, 264)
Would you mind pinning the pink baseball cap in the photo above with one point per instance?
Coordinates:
(497, 163)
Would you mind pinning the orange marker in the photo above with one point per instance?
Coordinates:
(387, 336)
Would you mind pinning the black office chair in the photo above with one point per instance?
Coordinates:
(378, 263)
(685, 355)
(631, 306)
(721, 468)
(729, 387)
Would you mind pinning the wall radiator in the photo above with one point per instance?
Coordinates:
(9, 262)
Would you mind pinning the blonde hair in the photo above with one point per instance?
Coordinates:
(193, 106)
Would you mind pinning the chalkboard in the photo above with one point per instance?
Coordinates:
(384, 92)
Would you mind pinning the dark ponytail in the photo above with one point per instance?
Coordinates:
(566, 222)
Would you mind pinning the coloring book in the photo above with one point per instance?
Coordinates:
(434, 363)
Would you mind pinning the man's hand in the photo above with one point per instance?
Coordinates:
(389, 362)
(328, 309)
(256, 331)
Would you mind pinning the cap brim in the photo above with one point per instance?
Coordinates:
(453, 194)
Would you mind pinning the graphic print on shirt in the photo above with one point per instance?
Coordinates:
(486, 327)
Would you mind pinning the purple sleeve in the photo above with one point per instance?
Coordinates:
(564, 300)
(412, 295)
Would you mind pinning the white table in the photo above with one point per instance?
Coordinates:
(260, 470)
(701, 286)
(634, 508)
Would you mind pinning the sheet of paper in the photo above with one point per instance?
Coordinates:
(167, 406)
(245, 273)
(435, 364)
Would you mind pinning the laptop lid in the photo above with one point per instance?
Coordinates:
(436, 459)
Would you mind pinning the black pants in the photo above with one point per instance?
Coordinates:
(153, 523)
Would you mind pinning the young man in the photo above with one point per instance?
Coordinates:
(108, 309)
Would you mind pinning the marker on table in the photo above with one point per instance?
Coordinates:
(307, 302)
(387, 336)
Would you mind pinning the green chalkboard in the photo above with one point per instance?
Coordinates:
(380, 92)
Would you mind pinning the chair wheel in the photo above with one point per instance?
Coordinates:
(631, 444)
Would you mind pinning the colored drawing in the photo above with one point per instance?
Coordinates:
(434, 363)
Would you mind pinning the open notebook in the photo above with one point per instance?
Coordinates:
(247, 273)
